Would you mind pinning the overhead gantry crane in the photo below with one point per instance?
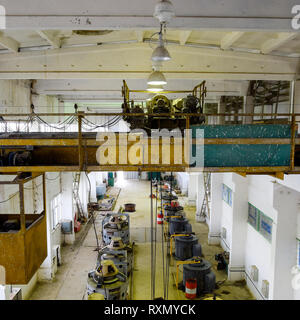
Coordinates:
(256, 148)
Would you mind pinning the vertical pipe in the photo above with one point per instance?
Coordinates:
(292, 99)
(80, 154)
(162, 242)
(44, 192)
(189, 147)
(293, 141)
(151, 238)
(22, 208)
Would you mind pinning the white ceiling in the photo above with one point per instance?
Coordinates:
(233, 40)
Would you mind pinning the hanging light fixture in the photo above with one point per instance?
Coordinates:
(164, 11)
(157, 78)
(155, 89)
(160, 54)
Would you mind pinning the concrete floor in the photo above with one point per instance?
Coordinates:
(80, 258)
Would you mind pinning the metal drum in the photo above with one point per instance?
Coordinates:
(129, 207)
(167, 198)
(173, 211)
(179, 225)
(185, 247)
(201, 271)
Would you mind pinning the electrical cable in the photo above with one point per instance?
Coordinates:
(168, 260)
(162, 243)
(151, 237)
(9, 198)
(155, 238)
(54, 178)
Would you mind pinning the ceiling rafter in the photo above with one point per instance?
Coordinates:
(230, 38)
(273, 44)
(69, 63)
(184, 37)
(54, 41)
(9, 43)
(140, 35)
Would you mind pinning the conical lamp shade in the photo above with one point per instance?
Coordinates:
(161, 54)
(155, 89)
(156, 78)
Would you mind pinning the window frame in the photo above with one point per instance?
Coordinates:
(56, 211)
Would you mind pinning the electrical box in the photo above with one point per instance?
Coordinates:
(67, 226)
(265, 288)
(254, 273)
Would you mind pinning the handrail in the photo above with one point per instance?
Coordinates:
(147, 114)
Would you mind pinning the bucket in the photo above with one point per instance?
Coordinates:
(129, 207)
(111, 182)
(174, 204)
(160, 218)
(101, 190)
(191, 288)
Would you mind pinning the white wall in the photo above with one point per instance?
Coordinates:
(53, 188)
(183, 181)
(226, 220)
(15, 96)
(257, 250)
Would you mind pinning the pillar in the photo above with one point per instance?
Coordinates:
(200, 194)
(67, 203)
(236, 266)
(284, 243)
(248, 108)
(214, 223)
(92, 177)
(297, 101)
(192, 189)
(221, 109)
(4, 290)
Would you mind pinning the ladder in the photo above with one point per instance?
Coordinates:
(76, 199)
(205, 207)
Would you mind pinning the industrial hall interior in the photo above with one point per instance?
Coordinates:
(149, 150)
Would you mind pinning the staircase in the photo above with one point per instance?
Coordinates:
(205, 208)
(76, 199)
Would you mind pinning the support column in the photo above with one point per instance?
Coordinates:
(92, 177)
(214, 234)
(200, 194)
(221, 109)
(4, 290)
(284, 243)
(248, 108)
(236, 266)
(67, 204)
(297, 100)
(192, 189)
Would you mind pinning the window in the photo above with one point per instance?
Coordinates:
(258, 220)
(56, 210)
(265, 226)
(253, 216)
(227, 195)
